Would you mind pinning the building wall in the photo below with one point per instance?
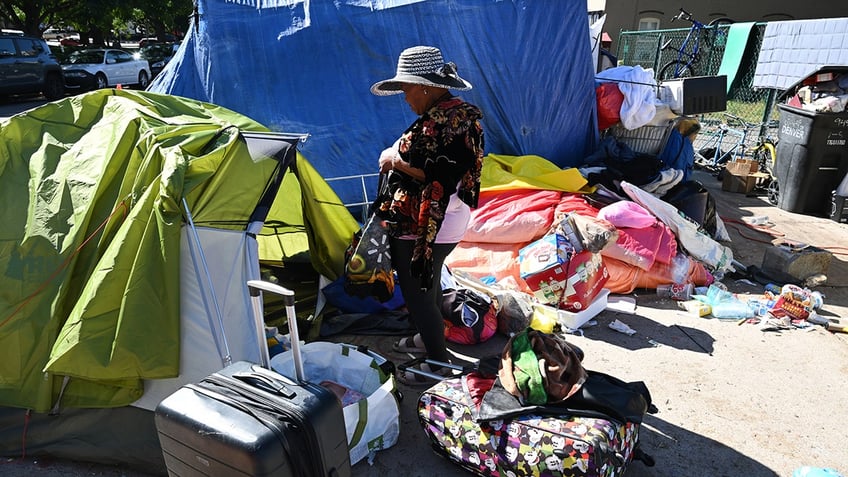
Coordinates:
(623, 15)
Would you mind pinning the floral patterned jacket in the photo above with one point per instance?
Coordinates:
(446, 142)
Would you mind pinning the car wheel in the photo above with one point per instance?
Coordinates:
(100, 81)
(54, 87)
(143, 80)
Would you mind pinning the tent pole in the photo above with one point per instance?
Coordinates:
(220, 341)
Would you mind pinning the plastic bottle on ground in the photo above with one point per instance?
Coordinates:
(817, 319)
(680, 268)
(817, 300)
(756, 220)
(758, 307)
(733, 309)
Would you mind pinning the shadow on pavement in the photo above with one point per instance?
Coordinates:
(678, 452)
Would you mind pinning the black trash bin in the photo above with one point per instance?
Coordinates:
(812, 159)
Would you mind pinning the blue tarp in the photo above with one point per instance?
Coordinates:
(307, 66)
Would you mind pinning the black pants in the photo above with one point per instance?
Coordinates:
(425, 308)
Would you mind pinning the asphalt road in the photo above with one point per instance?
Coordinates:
(15, 105)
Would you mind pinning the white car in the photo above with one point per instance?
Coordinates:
(101, 68)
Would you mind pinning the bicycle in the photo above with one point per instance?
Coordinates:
(710, 153)
(689, 53)
(765, 153)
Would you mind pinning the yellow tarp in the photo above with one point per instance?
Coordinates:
(501, 172)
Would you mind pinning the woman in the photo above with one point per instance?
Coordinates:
(434, 180)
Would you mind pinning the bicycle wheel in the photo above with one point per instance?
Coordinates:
(721, 21)
(675, 69)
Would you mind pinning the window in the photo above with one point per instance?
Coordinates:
(29, 47)
(649, 23)
(7, 47)
(774, 17)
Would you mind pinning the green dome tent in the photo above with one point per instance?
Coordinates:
(131, 222)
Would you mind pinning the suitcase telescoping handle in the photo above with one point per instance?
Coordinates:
(256, 287)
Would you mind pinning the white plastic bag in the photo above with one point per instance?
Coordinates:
(373, 423)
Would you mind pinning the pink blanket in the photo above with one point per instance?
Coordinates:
(512, 216)
(642, 247)
(506, 221)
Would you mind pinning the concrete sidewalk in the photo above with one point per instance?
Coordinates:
(733, 400)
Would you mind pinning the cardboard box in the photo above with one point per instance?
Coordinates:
(548, 284)
(587, 276)
(741, 184)
(541, 265)
(740, 176)
(559, 276)
(742, 167)
(547, 252)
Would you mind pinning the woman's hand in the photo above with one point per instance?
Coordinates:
(388, 158)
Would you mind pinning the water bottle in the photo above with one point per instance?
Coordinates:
(759, 307)
(680, 268)
(817, 300)
(756, 220)
(734, 309)
(817, 319)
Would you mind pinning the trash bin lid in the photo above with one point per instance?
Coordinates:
(812, 76)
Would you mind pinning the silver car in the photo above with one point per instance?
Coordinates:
(101, 68)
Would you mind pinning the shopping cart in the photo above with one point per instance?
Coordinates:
(648, 139)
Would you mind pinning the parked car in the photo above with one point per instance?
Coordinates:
(158, 55)
(27, 66)
(156, 40)
(70, 42)
(98, 68)
(58, 33)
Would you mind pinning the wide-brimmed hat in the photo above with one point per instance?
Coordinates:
(421, 65)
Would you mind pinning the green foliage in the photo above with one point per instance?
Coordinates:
(97, 18)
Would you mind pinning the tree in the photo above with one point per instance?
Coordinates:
(34, 16)
(94, 18)
(164, 16)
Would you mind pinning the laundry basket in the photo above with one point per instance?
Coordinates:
(649, 139)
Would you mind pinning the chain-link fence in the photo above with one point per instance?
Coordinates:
(661, 49)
